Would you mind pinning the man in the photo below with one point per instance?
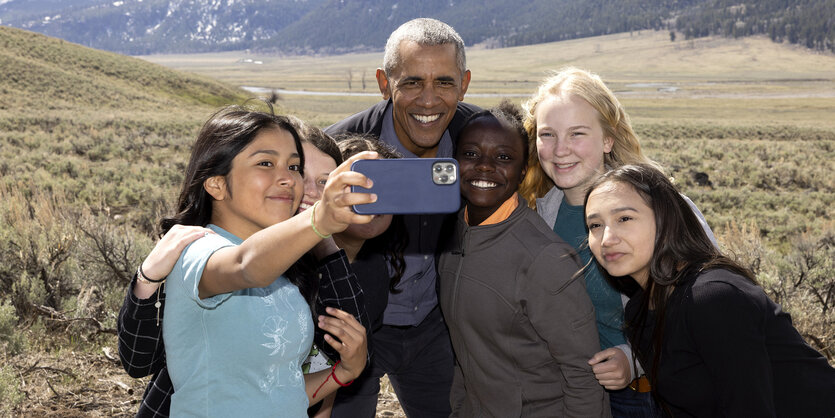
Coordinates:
(423, 80)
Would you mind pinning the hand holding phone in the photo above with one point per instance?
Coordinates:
(410, 186)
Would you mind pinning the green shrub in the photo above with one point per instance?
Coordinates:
(11, 394)
(12, 341)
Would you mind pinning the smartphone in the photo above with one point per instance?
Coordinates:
(410, 186)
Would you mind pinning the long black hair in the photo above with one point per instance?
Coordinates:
(681, 252)
(227, 132)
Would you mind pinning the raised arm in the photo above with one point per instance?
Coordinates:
(271, 251)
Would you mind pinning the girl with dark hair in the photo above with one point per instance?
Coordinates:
(520, 320)
(237, 315)
(712, 342)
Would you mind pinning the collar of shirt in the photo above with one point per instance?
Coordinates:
(502, 213)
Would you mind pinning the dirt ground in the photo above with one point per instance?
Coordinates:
(74, 384)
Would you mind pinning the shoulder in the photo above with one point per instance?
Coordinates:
(541, 242)
(195, 256)
(466, 109)
(720, 290)
(548, 206)
(367, 121)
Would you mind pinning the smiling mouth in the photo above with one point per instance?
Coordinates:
(564, 166)
(303, 206)
(288, 197)
(426, 118)
(483, 184)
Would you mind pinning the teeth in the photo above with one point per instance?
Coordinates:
(483, 184)
(569, 165)
(303, 206)
(426, 118)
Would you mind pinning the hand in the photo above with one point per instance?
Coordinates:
(165, 254)
(350, 342)
(611, 368)
(334, 213)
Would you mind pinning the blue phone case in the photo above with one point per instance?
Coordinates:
(410, 186)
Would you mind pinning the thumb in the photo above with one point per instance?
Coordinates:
(600, 357)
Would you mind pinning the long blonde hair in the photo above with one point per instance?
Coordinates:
(613, 118)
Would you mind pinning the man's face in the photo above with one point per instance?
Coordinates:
(425, 89)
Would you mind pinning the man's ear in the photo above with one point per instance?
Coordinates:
(383, 83)
(465, 83)
(215, 186)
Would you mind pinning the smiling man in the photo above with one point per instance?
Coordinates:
(423, 80)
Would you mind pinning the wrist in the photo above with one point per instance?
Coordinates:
(321, 233)
(343, 376)
(142, 277)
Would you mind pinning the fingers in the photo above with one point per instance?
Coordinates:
(334, 212)
(601, 356)
(347, 336)
(611, 368)
(165, 253)
(341, 324)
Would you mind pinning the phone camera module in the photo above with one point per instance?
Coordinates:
(443, 173)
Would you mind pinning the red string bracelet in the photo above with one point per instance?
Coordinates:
(333, 374)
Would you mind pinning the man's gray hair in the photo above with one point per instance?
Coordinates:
(425, 32)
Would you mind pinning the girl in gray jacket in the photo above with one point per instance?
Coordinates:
(521, 322)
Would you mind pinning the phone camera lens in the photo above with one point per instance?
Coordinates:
(438, 169)
(449, 168)
(444, 178)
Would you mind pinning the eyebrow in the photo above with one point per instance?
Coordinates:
(544, 126)
(440, 78)
(271, 152)
(615, 210)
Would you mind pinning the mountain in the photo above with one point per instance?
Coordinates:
(335, 26)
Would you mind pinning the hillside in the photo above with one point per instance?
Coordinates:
(100, 116)
(141, 27)
(48, 73)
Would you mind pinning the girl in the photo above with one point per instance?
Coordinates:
(521, 323)
(238, 305)
(714, 344)
(577, 128)
(141, 345)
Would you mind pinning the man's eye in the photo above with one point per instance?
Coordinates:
(295, 167)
